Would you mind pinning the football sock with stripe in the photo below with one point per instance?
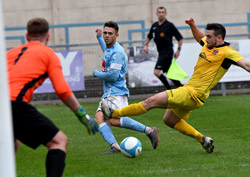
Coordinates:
(106, 133)
(130, 110)
(186, 129)
(126, 122)
(55, 162)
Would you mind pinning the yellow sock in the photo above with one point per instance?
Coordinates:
(187, 129)
(130, 110)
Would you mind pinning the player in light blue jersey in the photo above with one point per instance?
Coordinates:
(114, 68)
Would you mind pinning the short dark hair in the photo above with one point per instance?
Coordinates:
(218, 29)
(112, 24)
(37, 27)
(161, 7)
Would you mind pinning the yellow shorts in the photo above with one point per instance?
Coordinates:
(181, 101)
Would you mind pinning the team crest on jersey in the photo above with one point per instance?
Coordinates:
(106, 55)
(114, 57)
(215, 52)
(162, 34)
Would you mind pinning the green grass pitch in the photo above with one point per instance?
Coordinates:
(225, 119)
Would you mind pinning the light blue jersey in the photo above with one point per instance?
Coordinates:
(114, 63)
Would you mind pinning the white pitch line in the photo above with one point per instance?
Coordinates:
(170, 170)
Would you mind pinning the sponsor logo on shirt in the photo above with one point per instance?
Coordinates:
(203, 56)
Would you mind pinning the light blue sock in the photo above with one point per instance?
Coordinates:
(106, 133)
(126, 122)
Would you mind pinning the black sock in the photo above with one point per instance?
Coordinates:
(55, 163)
(163, 79)
(176, 83)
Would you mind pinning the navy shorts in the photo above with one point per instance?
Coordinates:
(164, 60)
(30, 126)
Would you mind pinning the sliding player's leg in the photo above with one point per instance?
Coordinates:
(180, 105)
(171, 120)
(156, 101)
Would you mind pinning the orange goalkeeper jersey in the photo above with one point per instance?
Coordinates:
(29, 65)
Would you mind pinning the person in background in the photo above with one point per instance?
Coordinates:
(163, 32)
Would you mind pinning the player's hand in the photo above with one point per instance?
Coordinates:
(145, 48)
(189, 21)
(94, 72)
(91, 124)
(177, 54)
(85, 119)
(98, 31)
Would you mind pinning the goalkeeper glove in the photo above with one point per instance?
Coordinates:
(85, 119)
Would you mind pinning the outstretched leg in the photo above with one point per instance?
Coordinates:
(171, 120)
(106, 133)
(156, 101)
(126, 122)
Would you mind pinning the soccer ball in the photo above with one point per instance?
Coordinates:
(131, 147)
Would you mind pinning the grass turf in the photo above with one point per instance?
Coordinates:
(225, 119)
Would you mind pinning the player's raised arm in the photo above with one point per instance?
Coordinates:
(198, 35)
(99, 38)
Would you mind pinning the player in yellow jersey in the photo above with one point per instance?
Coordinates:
(214, 60)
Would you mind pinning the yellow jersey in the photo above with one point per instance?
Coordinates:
(212, 64)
